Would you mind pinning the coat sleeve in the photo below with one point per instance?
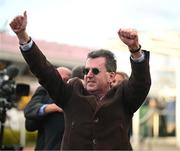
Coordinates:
(37, 100)
(47, 75)
(137, 87)
(32, 125)
(34, 121)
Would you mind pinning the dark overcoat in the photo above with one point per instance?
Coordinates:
(91, 123)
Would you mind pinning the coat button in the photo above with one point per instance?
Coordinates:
(96, 120)
(72, 124)
(94, 141)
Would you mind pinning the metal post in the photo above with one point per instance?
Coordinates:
(136, 127)
(22, 128)
(178, 105)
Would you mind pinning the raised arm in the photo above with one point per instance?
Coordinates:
(47, 74)
(139, 82)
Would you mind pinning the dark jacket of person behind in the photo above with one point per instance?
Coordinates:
(50, 127)
(46, 117)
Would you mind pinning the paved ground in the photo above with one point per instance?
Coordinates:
(157, 144)
(149, 144)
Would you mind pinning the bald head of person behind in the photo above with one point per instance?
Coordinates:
(65, 73)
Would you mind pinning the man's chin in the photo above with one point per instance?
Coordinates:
(91, 89)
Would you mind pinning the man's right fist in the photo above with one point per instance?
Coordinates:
(19, 23)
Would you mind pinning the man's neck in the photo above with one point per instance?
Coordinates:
(100, 94)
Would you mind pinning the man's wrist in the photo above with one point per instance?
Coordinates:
(25, 42)
(132, 50)
(140, 58)
(23, 37)
(42, 110)
(26, 46)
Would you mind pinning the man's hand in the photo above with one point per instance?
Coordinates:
(52, 108)
(18, 25)
(129, 37)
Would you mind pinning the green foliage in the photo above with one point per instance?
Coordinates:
(31, 138)
(12, 137)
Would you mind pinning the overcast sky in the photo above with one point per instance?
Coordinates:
(88, 22)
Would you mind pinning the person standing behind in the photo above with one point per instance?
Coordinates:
(77, 71)
(119, 78)
(97, 117)
(43, 115)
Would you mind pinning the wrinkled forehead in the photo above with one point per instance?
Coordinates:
(98, 62)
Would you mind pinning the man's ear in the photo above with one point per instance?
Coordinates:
(111, 76)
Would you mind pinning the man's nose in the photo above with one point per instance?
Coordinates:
(90, 73)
